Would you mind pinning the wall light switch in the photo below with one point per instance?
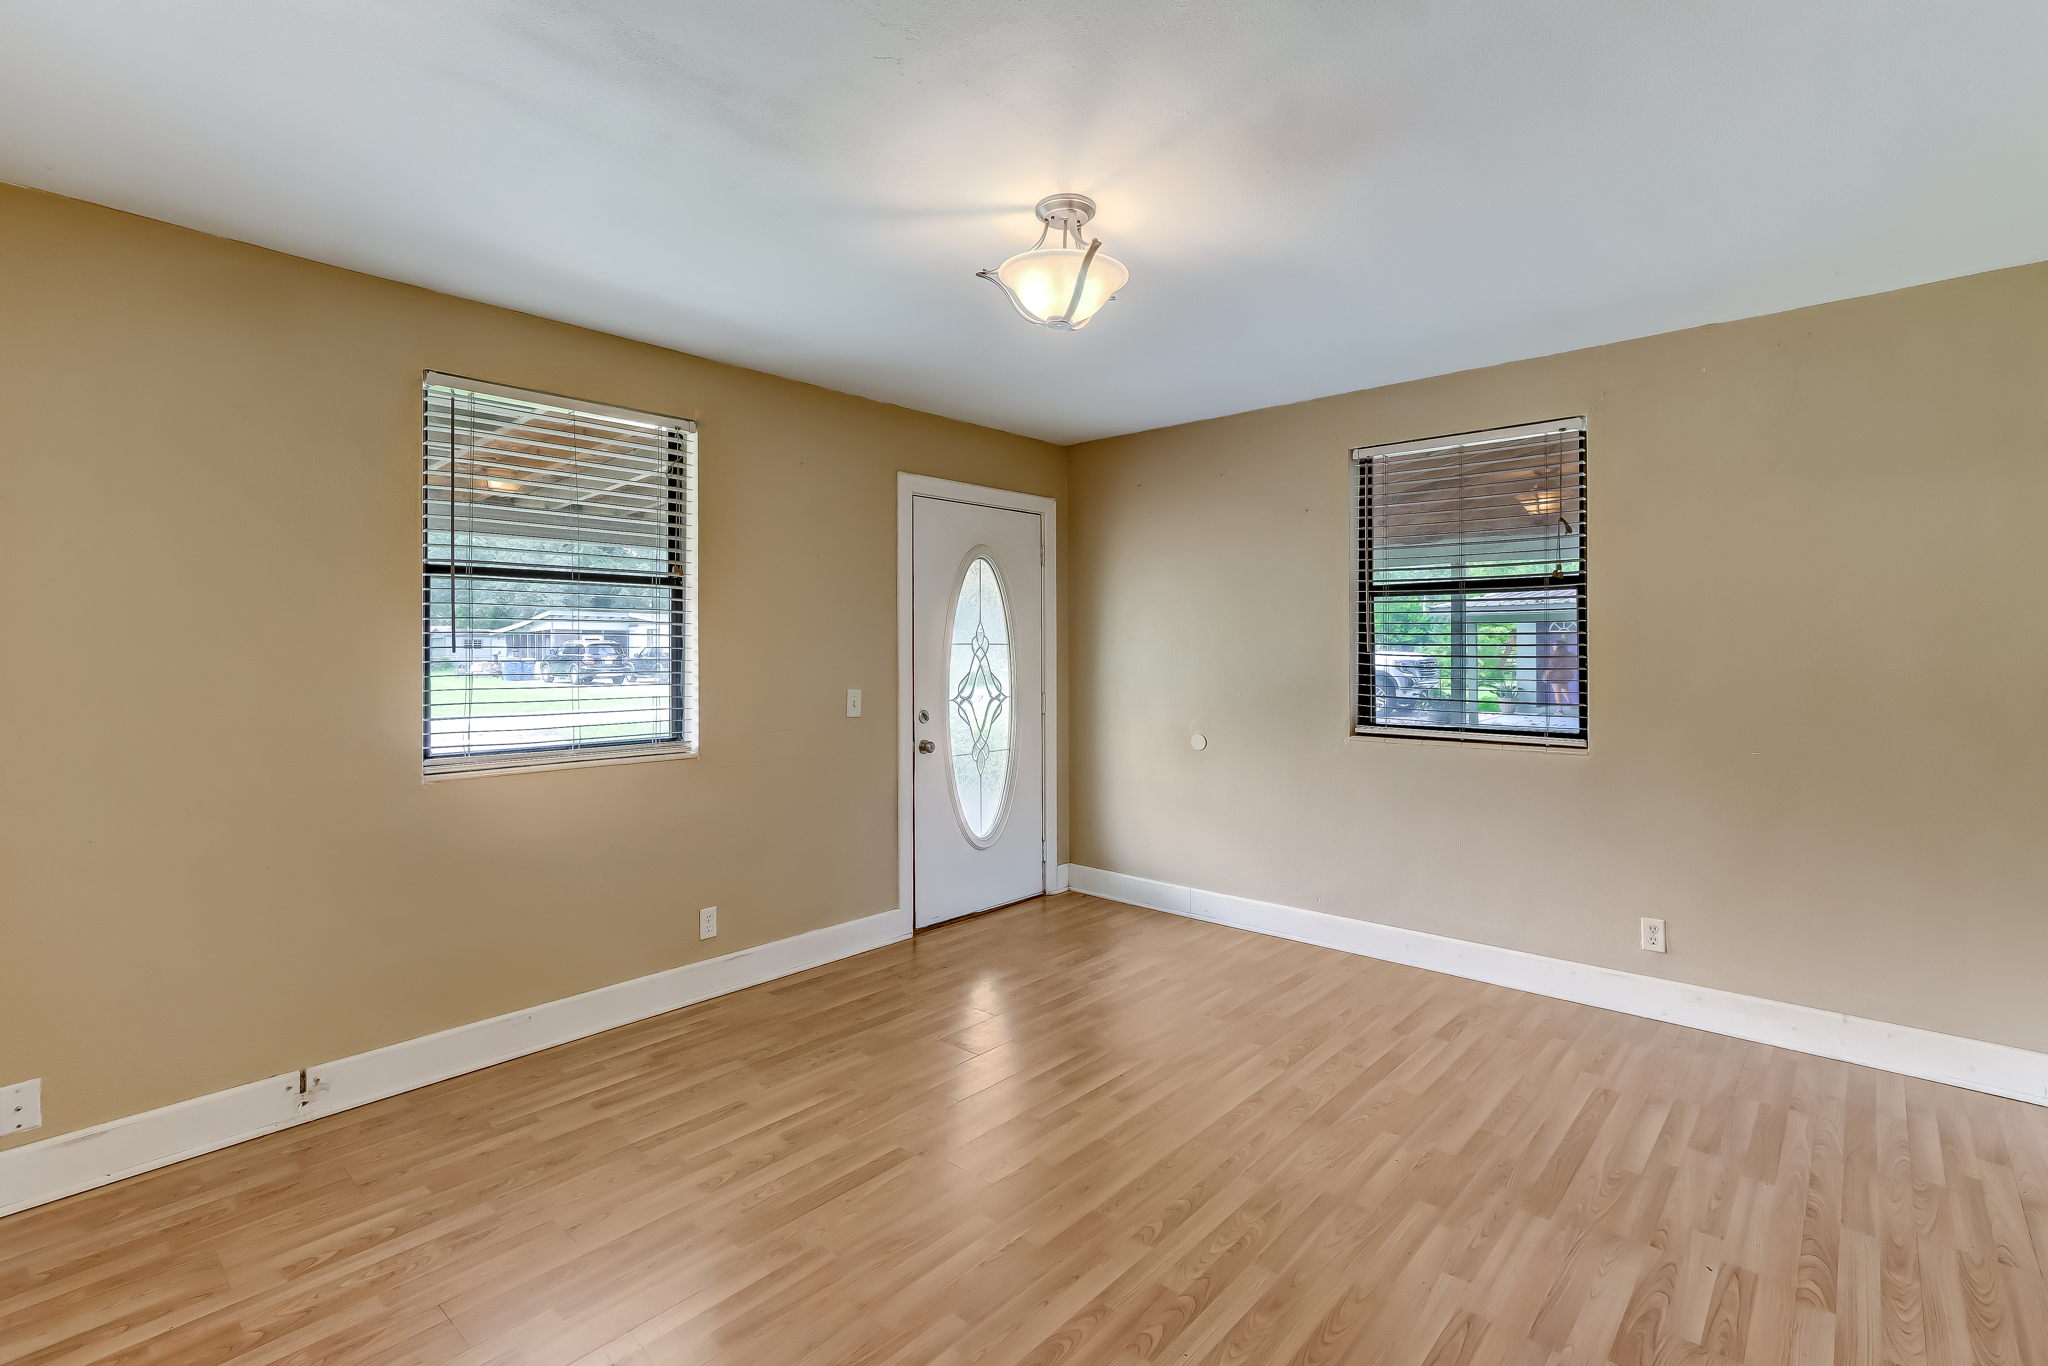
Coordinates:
(21, 1106)
(853, 701)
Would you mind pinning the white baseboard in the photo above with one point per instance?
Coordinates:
(69, 1163)
(1974, 1064)
(38, 1173)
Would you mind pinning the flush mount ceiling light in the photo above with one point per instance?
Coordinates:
(1063, 285)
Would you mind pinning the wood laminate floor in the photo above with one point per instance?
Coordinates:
(1077, 1132)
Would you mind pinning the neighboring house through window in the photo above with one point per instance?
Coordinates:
(558, 580)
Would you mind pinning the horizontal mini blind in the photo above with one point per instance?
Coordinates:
(1472, 585)
(557, 580)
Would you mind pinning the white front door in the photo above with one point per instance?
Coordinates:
(977, 707)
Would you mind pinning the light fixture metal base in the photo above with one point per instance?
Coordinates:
(1044, 266)
(1074, 209)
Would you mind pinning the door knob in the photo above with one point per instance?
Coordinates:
(925, 747)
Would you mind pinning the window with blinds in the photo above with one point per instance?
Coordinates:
(557, 580)
(1472, 586)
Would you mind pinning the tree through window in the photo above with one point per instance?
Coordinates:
(1472, 585)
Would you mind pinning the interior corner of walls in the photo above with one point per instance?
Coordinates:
(1136, 891)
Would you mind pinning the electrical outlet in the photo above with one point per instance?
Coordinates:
(853, 701)
(1653, 935)
(21, 1106)
(707, 923)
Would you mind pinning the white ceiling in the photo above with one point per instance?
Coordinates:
(1312, 196)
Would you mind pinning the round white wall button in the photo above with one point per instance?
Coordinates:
(1198, 741)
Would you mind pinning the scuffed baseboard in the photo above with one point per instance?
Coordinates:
(1997, 1069)
(69, 1163)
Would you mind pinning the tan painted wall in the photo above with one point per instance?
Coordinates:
(1819, 668)
(210, 463)
(219, 862)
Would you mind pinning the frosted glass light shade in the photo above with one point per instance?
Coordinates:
(1041, 284)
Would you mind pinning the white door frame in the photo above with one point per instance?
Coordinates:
(909, 486)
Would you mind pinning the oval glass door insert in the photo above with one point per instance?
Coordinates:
(978, 691)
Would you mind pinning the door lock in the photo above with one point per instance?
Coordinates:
(925, 747)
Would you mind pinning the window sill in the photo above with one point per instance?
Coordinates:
(601, 758)
(1576, 745)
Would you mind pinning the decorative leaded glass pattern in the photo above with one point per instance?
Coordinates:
(980, 724)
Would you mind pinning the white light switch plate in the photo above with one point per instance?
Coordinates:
(853, 701)
(21, 1106)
